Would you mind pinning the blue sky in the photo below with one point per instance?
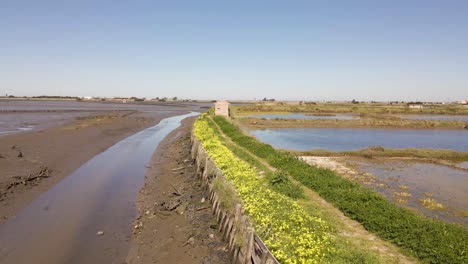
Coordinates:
(295, 50)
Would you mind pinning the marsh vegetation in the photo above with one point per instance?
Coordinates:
(379, 202)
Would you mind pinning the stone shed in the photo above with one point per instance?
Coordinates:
(417, 106)
(222, 108)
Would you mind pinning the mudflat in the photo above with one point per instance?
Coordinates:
(32, 162)
(171, 228)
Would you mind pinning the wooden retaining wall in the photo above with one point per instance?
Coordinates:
(244, 245)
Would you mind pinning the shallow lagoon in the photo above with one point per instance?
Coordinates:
(341, 139)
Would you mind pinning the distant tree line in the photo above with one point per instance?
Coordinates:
(415, 103)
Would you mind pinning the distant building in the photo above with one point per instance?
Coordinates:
(463, 102)
(222, 108)
(416, 106)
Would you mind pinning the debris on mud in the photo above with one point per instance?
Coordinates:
(44, 172)
(190, 241)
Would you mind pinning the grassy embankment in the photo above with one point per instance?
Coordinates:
(358, 109)
(350, 242)
(377, 122)
(291, 234)
(429, 240)
(381, 152)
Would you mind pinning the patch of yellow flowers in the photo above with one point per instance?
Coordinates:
(290, 233)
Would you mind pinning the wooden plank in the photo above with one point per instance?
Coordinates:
(222, 222)
(268, 255)
(249, 247)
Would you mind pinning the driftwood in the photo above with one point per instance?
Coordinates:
(43, 173)
(177, 192)
(203, 208)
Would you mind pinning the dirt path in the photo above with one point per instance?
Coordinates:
(59, 150)
(175, 223)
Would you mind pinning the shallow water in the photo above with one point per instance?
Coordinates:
(445, 185)
(340, 139)
(463, 164)
(60, 226)
(11, 123)
(304, 116)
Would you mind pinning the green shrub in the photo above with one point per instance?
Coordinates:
(280, 182)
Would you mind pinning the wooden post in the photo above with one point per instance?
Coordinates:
(249, 247)
(221, 222)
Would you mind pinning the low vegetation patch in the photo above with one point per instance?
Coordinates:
(280, 182)
(429, 240)
(430, 203)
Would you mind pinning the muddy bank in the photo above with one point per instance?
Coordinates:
(175, 223)
(33, 162)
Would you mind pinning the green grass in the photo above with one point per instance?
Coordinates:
(429, 240)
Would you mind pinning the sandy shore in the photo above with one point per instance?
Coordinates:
(175, 223)
(33, 162)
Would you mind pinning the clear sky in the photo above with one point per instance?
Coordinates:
(295, 50)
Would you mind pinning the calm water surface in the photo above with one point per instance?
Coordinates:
(340, 139)
(15, 122)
